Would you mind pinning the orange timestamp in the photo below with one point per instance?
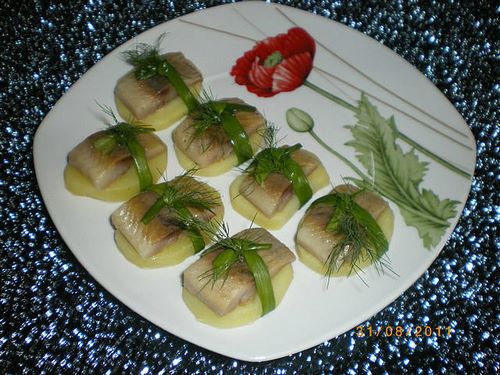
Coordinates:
(399, 331)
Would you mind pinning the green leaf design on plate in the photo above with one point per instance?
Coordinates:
(397, 175)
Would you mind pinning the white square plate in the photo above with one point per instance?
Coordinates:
(213, 39)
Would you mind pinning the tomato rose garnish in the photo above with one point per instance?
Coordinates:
(276, 64)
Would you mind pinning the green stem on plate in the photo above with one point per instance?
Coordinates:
(367, 179)
(340, 156)
(332, 97)
(433, 156)
(400, 135)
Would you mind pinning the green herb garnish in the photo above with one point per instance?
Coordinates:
(275, 159)
(178, 196)
(148, 63)
(234, 250)
(124, 134)
(213, 113)
(359, 234)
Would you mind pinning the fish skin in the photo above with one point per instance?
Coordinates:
(102, 169)
(144, 97)
(223, 296)
(311, 234)
(214, 145)
(149, 239)
(276, 190)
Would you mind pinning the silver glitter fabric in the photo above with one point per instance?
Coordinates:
(55, 319)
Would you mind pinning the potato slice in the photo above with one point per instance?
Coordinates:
(211, 152)
(217, 168)
(385, 220)
(120, 190)
(154, 101)
(243, 314)
(163, 117)
(170, 255)
(317, 179)
(161, 242)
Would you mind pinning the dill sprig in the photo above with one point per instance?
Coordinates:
(146, 59)
(149, 63)
(125, 134)
(179, 195)
(218, 114)
(118, 133)
(359, 234)
(233, 250)
(274, 159)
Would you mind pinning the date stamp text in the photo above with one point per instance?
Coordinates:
(400, 331)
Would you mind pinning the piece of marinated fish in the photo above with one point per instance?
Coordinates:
(311, 234)
(149, 239)
(104, 168)
(144, 97)
(225, 295)
(213, 145)
(276, 190)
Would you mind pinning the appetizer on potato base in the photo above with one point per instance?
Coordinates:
(218, 136)
(159, 90)
(158, 227)
(345, 231)
(238, 279)
(116, 163)
(276, 184)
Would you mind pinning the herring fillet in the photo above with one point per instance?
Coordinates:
(104, 168)
(213, 145)
(224, 296)
(311, 234)
(144, 97)
(276, 190)
(149, 239)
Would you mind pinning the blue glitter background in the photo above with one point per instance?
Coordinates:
(54, 318)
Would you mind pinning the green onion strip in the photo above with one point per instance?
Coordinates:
(168, 71)
(237, 135)
(300, 183)
(181, 211)
(262, 280)
(124, 134)
(345, 205)
(240, 249)
(223, 262)
(232, 127)
(140, 163)
(149, 63)
(194, 233)
(280, 160)
(153, 211)
(105, 144)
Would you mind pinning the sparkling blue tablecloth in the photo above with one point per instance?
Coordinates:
(54, 318)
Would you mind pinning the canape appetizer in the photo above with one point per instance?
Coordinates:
(159, 90)
(116, 163)
(238, 279)
(218, 136)
(278, 181)
(345, 231)
(162, 226)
